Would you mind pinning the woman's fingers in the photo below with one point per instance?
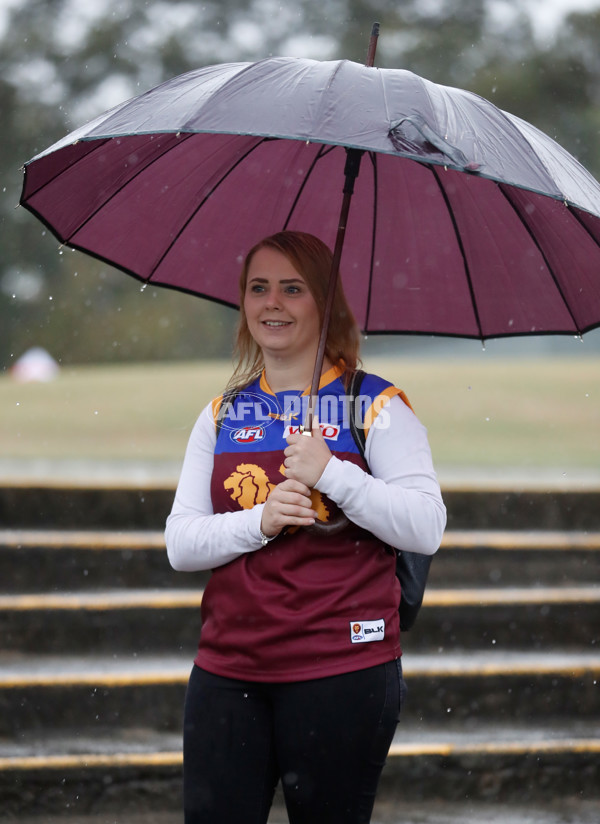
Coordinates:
(288, 504)
(293, 485)
(306, 458)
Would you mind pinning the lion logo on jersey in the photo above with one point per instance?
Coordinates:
(249, 485)
(319, 505)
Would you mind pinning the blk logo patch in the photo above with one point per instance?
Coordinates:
(363, 632)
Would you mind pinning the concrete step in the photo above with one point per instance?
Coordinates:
(153, 620)
(485, 557)
(569, 810)
(59, 560)
(120, 505)
(38, 693)
(56, 560)
(523, 618)
(516, 763)
(53, 749)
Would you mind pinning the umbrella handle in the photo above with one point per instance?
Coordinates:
(323, 529)
(326, 528)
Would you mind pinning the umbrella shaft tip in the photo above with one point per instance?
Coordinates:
(372, 45)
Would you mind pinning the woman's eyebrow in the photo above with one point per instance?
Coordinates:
(283, 280)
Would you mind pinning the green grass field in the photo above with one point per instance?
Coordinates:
(480, 413)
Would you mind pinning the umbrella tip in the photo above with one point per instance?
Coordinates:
(372, 45)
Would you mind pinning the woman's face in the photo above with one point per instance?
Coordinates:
(281, 313)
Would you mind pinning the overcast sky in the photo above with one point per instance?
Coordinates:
(546, 14)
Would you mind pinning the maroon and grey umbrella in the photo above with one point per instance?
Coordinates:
(465, 220)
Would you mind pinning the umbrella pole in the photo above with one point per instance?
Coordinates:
(351, 169)
(353, 158)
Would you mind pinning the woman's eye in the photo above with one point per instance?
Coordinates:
(292, 290)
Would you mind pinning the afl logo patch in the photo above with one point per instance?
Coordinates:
(248, 434)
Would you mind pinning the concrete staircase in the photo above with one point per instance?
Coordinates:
(97, 636)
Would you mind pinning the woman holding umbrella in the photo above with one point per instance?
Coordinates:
(298, 675)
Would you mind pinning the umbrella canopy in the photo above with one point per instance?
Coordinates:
(465, 221)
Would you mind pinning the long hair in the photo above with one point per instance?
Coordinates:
(311, 258)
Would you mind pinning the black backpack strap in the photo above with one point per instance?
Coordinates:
(358, 432)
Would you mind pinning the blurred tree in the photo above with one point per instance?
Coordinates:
(62, 62)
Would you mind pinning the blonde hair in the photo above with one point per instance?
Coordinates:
(312, 259)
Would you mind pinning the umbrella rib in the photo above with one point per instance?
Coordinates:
(99, 144)
(434, 171)
(517, 211)
(323, 150)
(123, 185)
(373, 159)
(195, 211)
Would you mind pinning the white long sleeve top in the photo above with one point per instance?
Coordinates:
(399, 502)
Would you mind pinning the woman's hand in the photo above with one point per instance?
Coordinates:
(288, 504)
(306, 457)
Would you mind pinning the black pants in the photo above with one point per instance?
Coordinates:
(326, 739)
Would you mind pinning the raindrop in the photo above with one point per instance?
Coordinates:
(143, 288)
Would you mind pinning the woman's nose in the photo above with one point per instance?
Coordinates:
(273, 299)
